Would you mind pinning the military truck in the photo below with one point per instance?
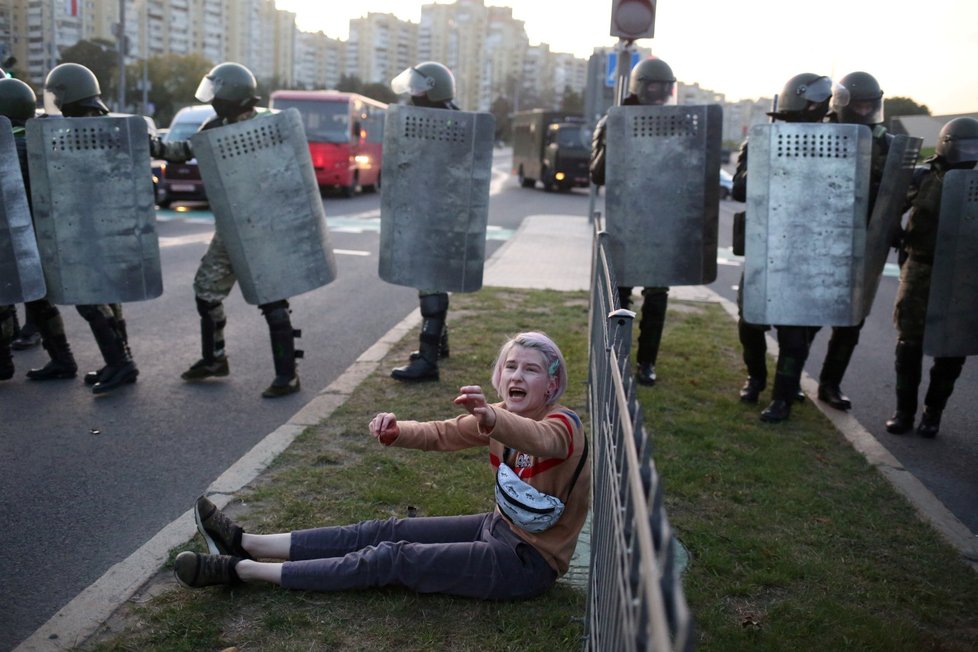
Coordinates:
(550, 147)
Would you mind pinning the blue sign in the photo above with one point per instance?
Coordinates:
(611, 72)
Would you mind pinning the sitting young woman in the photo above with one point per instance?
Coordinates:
(538, 450)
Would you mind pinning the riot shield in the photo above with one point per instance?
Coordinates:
(262, 189)
(890, 201)
(807, 200)
(662, 199)
(434, 203)
(21, 277)
(952, 306)
(94, 210)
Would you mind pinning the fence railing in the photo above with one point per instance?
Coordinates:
(635, 596)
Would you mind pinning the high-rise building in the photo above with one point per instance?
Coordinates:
(380, 46)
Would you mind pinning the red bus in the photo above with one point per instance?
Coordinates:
(345, 133)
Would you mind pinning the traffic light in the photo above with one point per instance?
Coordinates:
(633, 19)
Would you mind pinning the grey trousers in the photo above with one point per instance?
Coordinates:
(476, 556)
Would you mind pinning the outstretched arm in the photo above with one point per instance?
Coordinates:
(472, 399)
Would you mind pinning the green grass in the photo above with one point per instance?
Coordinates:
(796, 542)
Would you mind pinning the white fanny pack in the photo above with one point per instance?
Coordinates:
(525, 506)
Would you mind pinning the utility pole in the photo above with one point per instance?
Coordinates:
(121, 36)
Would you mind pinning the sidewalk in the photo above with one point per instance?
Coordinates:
(547, 252)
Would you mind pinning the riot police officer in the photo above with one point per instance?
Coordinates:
(72, 91)
(804, 98)
(957, 149)
(651, 83)
(18, 103)
(233, 92)
(856, 99)
(429, 85)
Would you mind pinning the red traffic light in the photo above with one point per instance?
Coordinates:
(632, 19)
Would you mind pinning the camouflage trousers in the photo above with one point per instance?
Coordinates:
(910, 309)
(215, 277)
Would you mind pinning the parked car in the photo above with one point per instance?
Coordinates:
(726, 184)
(181, 181)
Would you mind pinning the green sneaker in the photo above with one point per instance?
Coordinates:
(195, 570)
(203, 369)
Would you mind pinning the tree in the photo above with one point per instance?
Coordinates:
(173, 80)
(379, 91)
(502, 110)
(102, 58)
(896, 106)
(572, 103)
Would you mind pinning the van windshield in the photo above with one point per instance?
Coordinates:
(324, 122)
(182, 131)
(572, 137)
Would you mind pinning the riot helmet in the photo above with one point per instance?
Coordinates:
(857, 99)
(230, 88)
(17, 99)
(804, 98)
(958, 141)
(429, 84)
(72, 90)
(652, 82)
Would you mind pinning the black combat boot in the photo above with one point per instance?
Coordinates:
(785, 389)
(213, 361)
(942, 377)
(434, 309)
(7, 327)
(284, 353)
(62, 365)
(93, 377)
(119, 368)
(443, 350)
(908, 361)
(754, 346)
(837, 357)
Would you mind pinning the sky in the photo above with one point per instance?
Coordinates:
(748, 49)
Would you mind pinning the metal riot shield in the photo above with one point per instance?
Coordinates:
(887, 210)
(434, 203)
(94, 210)
(951, 328)
(662, 201)
(262, 188)
(807, 200)
(21, 277)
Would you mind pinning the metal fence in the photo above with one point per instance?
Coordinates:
(635, 597)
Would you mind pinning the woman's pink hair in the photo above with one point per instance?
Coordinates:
(554, 359)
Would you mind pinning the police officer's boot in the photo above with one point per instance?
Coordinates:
(754, 345)
(434, 310)
(119, 368)
(443, 350)
(27, 336)
(654, 304)
(909, 359)
(92, 377)
(785, 389)
(837, 357)
(213, 361)
(942, 376)
(284, 353)
(7, 318)
(62, 364)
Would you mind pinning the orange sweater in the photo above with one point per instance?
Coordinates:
(548, 450)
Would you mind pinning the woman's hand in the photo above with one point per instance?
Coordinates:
(472, 399)
(384, 427)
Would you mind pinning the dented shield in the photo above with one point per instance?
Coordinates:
(94, 210)
(952, 307)
(262, 189)
(662, 201)
(891, 198)
(808, 191)
(21, 276)
(435, 199)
